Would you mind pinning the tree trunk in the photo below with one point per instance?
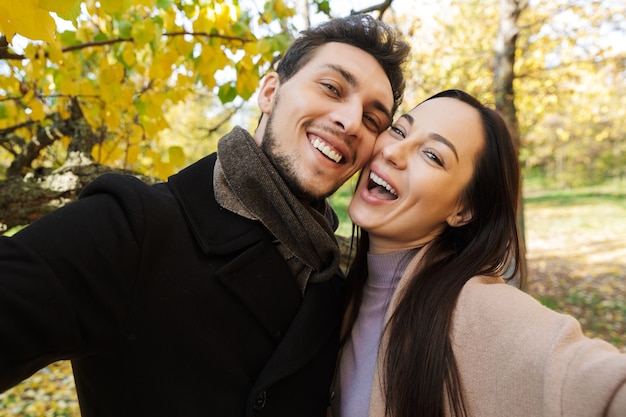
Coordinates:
(25, 199)
(504, 74)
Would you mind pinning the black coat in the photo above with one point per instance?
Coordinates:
(167, 305)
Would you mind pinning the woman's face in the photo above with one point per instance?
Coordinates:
(412, 186)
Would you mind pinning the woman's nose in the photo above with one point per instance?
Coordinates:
(394, 153)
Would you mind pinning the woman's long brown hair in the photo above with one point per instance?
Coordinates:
(421, 373)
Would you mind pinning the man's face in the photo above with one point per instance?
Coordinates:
(323, 121)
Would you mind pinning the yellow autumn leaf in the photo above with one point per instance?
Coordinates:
(157, 71)
(280, 8)
(205, 21)
(66, 140)
(111, 73)
(86, 88)
(29, 95)
(111, 93)
(162, 169)
(183, 47)
(55, 54)
(92, 115)
(143, 32)
(112, 6)
(112, 118)
(246, 85)
(132, 154)
(224, 16)
(26, 19)
(176, 155)
(36, 110)
(150, 127)
(114, 151)
(9, 83)
(11, 109)
(64, 112)
(128, 55)
(95, 152)
(136, 135)
(67, 9)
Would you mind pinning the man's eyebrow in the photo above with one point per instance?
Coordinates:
(435, 136)
(350, 79)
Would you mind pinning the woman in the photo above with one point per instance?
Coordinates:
(432, 327)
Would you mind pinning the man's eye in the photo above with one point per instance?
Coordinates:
(371, 123)
(332, 88)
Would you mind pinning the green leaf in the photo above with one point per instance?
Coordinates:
(3, 111)
(164, 4)
(69, 38)
(227, 93)
(125, 28)
(323, 6)
(100, 37)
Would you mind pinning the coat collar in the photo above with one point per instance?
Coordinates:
(193, 188)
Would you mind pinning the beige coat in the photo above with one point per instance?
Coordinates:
(517, 358)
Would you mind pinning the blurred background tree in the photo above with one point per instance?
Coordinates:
(148, 86)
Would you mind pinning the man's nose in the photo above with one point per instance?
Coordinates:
(348, 116)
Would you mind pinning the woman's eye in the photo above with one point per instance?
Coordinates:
(433, 156)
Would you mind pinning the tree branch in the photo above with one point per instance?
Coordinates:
(8, 55)
(381, 8)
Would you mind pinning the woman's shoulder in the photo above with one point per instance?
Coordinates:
(494, 292)
(505, 308)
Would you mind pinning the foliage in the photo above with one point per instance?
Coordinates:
(572, 85)
(50, 393)
(570, 79)
(123, 67)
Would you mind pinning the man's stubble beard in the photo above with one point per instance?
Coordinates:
(285, 164)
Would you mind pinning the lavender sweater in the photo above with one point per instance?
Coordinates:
(358, 357)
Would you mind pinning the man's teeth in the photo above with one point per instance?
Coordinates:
(382, 183)
(326, 150)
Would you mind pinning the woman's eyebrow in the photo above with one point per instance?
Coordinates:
(439, 138)
(408, 118)
(434, 136)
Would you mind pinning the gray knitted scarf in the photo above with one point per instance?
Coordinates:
(246, 179)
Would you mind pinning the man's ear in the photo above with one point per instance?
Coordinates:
(460, 218)
(267, 92)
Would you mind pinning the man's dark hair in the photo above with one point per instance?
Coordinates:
(362, 31)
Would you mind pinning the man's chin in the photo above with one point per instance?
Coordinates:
(312, 192)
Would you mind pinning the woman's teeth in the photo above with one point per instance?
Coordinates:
(379, 181)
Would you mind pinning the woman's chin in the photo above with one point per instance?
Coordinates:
(359, 214)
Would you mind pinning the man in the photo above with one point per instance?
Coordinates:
(217, 293)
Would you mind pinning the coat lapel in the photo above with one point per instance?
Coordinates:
(317, 321)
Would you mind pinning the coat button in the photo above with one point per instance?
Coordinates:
(259, 401)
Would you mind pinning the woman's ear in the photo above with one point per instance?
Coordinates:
(267, 92)
(460, 218)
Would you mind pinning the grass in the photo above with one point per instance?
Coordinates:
(576, 254)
